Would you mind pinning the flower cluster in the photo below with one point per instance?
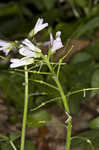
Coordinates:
(28, 50)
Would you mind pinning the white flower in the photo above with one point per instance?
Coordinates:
(20, 62)
(28, 49)
(39, 25)
(5, 46)
(57, 43)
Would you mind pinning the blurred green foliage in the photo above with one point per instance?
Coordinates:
(76, 19)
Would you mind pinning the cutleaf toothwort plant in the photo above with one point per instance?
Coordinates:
(29, 52)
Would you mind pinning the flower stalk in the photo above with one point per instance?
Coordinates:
(69, 120)
(25, 110)
(65, 103)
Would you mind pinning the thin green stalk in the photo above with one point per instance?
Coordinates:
(25, 110)
(45, 83)
(45, 103)
(69, 122)
(65, 103)
(81, 90)
(62, 95)
(13, 146)
(4, 58)
(69, 129)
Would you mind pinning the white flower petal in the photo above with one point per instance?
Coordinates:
(4, 43)
(58, 34)
(39, 25)
(21, 62)
(51, 38)
(14, 60)
(57, 43)
(39, 22)
(47, 43)
(29, 44)
(26, 52)
(29, 49)
(6, 46)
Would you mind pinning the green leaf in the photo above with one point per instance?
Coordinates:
(88, 26)
(38, 119)
(93, 50)
(11, 85)
(80, 57)
(91, 135)
(67, 29)
(94, 123)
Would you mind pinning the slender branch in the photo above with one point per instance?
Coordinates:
(82, 90)
(45, 83)
(13, 146)
(61, 60)
(4, 58)
(33, 71)
(44, 103)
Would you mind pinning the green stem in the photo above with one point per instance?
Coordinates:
(62, 95)
(69, 123)
(25, 110)
(68, 138)
(13, 146)
(64, 99)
